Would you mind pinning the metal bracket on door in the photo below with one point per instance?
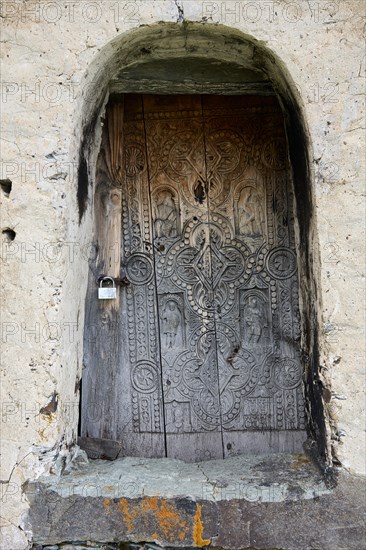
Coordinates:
(119, 281)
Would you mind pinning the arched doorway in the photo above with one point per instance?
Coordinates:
(200, 355)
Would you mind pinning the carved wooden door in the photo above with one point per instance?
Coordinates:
(209, 356)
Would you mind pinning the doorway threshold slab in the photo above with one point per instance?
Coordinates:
(228, 503)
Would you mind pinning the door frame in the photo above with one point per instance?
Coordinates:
(223, 45)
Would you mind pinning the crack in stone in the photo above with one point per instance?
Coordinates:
(179, 6)
(213, 484)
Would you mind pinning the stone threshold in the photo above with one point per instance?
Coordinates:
(263, 501)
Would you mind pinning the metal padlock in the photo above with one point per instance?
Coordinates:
(107, 293)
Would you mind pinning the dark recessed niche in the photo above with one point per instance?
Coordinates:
(6, 186)
(9, 234)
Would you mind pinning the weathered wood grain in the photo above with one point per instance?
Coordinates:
(95, 448)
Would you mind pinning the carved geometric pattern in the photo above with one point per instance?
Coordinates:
(144, 377)
(139, 269)
(212, 314)
(135, 159)
(287, 374)
(274, 153)
(281, 263)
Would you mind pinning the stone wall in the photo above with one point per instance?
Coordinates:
(55, 56)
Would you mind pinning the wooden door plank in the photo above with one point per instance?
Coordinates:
(98, 400)
(195, 447)
(257, 312)
(265, 442)
(179, 212)
(140, 412)
(96, 448)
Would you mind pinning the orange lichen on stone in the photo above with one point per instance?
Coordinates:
(168, 519)
(150, 503)
(123, 507)
(198, 529)
(107, 505)
(160, 517)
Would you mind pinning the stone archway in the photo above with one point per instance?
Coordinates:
(166, 54)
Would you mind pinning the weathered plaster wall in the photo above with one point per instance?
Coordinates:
(52, 55)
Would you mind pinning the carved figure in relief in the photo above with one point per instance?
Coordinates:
(171, 321)
(177, 417)
(250, 212)
(165, 215)
(254, 320)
